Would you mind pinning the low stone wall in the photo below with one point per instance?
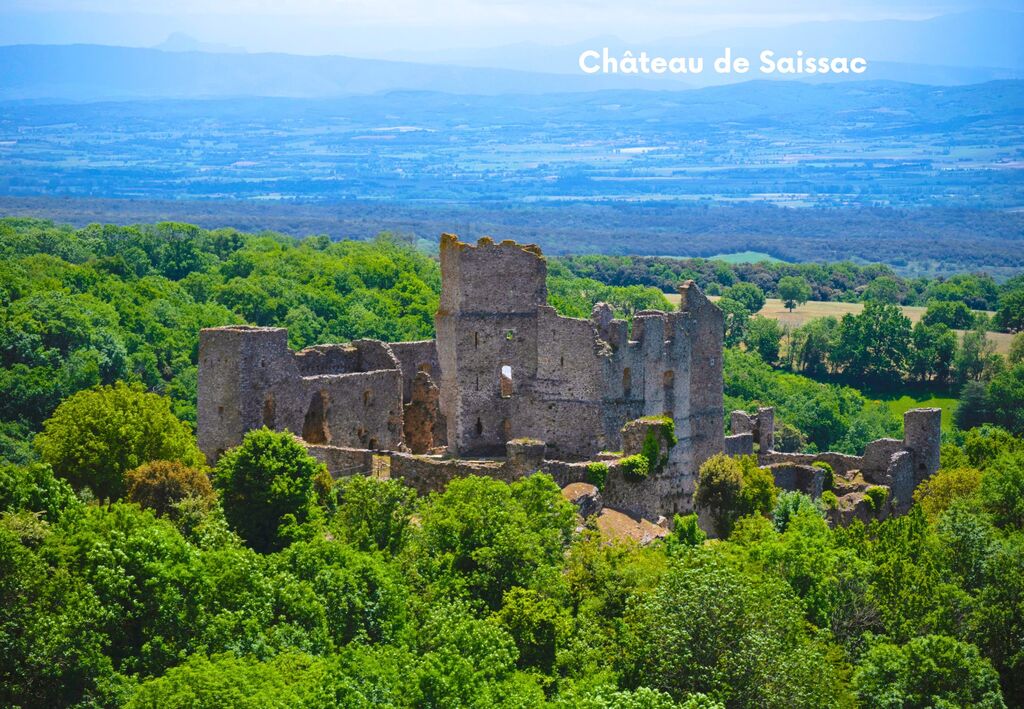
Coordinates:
(841, 463)
(342, 462)
(427, 474)
(565, 473)
(739, 444)
(799, 478)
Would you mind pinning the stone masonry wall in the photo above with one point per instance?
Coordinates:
(343, 395)
(512, 367)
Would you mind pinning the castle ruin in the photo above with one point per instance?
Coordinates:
(509, 387)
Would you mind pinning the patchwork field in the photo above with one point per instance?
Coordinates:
(775, 309)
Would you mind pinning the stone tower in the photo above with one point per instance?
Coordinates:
(486, 338)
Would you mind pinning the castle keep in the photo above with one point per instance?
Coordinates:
(509, 387)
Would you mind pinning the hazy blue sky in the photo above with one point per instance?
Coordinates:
(380, 26)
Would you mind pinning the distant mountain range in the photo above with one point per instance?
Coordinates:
(958, 49)
(83, 72)
(984, 40)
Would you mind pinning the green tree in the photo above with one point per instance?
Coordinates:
(34, 488)
(975, 350)
(719, 484)
(1005, 399)
(267, 488)
(764, 336)
(932, 351)
(537, 624)
(1016, 354)
(709, 628)
(794, 291)
(928, 671)
(873, 344)
(952, 314)
(812, 344)
(729, 488)
(292, 679)
(884, 289)
(1010, 316)
(97, 435)
(939, 492)
(736, 317)
(482, 537)
(748, 294)
(1002, 490)
(51, 636)
(373, 514)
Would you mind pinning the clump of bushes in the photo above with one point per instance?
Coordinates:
(686, 531)
(661, 428)
(788, 505)
(829, 500)
(635, 467)
(161, 484)
(732, 487)
(829, 480)
(876, 496)
(597, 474)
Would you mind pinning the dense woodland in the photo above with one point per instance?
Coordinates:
(130, 574)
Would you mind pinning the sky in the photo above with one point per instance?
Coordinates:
(379, 27)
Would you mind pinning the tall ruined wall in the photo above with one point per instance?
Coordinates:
(346, 395)
(487, 319)
(512, 367)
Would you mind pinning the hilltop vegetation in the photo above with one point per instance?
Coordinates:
(131, 575)
(281, 588)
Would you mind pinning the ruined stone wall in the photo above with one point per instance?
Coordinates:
(343, 395)
(922, 434)
(512, 367)
(841, 462)
(413, 357)
(507, 368)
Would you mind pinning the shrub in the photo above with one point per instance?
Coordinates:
(829, 500)
(876, 495)
(788, 505)
(160, 484)
(266, 484)
(686, 530)
(635, 467)
(829, 479)
(939, 492)
(97, 435)
(597, 474)
(719, 484)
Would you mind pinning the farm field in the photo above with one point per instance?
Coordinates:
(775, 309)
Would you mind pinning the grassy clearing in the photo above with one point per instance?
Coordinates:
(922, 401)
(774, 308)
